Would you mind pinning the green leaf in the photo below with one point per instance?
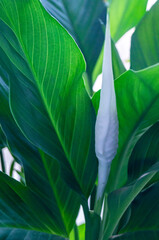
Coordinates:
(42, 173)
(81, 18)
(12, 168)
(3, 165)
(14, 234)
(124, 15)
(137, 96)
(145, 153)
(2, 139)
(81, 231)
(124, 220)
(144, 214)
(119, 200)
(146, 235)
(118, 67)
(137, 99)
(145, 43)
(47, 94)
(21, 208)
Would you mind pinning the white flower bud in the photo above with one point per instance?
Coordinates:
(106, 129)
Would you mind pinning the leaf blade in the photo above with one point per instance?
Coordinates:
(39, 89)
(144, 211)
(144, 43)
(119, 200)
(55, 194)
(138, 235)
(82, 20)
(13, 234)
(132, 11)
(135, 116)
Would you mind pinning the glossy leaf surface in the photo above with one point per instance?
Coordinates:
(47, 94)
(145, 41)
(81, 18)
(42, 173)
(20, 208)
(137, 100)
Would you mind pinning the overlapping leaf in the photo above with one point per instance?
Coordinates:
(23, 209)
(82, 20)
(145, 40)
(145, 153)
(137, 101)
(47, 93)
(14, 234)
(143, 222)
(118, 67)
(119, 200)
(137, 96)
(144, 211)
(42, 172)
(124, 15)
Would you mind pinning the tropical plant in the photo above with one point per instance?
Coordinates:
(51, 52)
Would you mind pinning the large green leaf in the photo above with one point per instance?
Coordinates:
(145, 40)
(119, 200)
(82, 20)
(42, 172)
(137, 96)
(145, 153)
(144, 211)
(23, 209)
(137, 100)
(146, 235)
(47, 93)
(14, 234)
(124, 15)
(143, 223)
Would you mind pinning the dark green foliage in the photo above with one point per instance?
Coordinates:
(47, 120)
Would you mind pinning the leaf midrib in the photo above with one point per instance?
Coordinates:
(45, 198)
(43, 99)
(55, 193)
(38, 87)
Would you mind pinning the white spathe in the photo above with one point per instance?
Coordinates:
(106, 129)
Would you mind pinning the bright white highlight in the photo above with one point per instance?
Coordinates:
(150, 4)
(106, 129)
